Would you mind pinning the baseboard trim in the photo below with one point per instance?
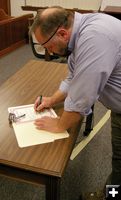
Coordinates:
(12, 47)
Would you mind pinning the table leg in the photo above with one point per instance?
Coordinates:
(53, 188)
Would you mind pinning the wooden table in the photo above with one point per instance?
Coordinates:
(40, 164)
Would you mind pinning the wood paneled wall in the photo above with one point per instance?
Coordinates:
(5, 4)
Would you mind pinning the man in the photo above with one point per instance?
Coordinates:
(92, 43)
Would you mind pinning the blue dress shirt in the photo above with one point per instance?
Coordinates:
(94, 64)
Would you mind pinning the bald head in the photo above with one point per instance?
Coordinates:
(49, 11)
(49, 19)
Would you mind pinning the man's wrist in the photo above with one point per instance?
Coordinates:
(53, 100)
(60, 126)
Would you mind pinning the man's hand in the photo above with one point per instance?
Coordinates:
(46, 102)
(56, 125)
(49, 124)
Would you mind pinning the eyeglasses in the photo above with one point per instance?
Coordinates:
(51, 36)
(13, 118)
(35, 43)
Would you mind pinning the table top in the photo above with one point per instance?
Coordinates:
(33, 79)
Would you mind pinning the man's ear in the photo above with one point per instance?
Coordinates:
(63, 34)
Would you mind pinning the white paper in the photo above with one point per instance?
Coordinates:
(25, 131)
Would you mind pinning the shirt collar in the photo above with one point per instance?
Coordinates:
(76, 26)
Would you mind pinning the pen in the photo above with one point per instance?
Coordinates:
(20, 116)
(40, 100)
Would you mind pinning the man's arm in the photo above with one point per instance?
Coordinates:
(68, 119)
(57, 125)
(58, 97)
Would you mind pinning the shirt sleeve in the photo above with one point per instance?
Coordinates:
(64, 86)
(94, 60)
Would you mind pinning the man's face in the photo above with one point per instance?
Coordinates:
(61, 48)
(54, 44)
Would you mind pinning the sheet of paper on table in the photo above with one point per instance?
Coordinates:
(25, 131)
